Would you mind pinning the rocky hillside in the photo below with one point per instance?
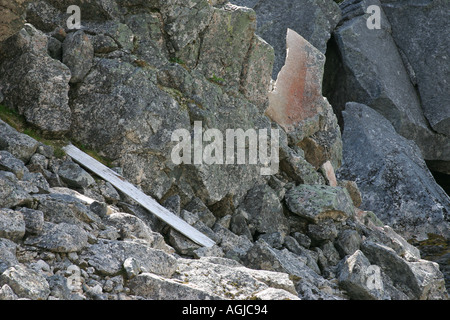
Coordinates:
(286, 226)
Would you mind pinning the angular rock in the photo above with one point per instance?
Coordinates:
(131, 227)
(316, 203)
(265, 212)
(235, 247)
(13, 17)
(314, 20)
(7, 254)
(325, 230)
(275, 294)
(430, 280)
(223, 59)
(296, 101)
(108, 257)
(329, 174)
(9, 163)
(394, 181)
(58, 208)
(152, 286)
(62, 237)
(360, 279)
(18, 144)
(74, 176)
(353, 191)
(309, 285)
(141, 123)
(348, 242)
(426, 52)
(294, 164)
(25, 282)
(35, 182)
(44, 99)
(193, 17)
(182, 244)
(132, 267)
(394, 266)
(6, 293)
(217, 276)
(92, 10)
(46, 17)
(366, 76)
(330, 253)
(255, 78)
(197, 206)
(78, 53)
(12, 225)
(11, 192)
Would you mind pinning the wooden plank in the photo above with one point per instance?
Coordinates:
(146, 201)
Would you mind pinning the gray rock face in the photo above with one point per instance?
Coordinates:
(62, 237)
(25, 282)
(140, 70)
(9, 163)
(387, 80)
(426, 52)
(108, 257)
(44, 99)
(314, 20)
(265, 212)
(78, 53)
(11, 193)
(19, 145)
(354, 276)
(318, 203)
(262, 256)
(12, 225)
(7, 254)
(379, 159)
(74, 176)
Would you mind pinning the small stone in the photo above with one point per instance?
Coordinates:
(34, 220)
(132, 268)
(26, 283)
(6, 293)
(9, 163)
(347, 242)
(328, 171)
(12, 224)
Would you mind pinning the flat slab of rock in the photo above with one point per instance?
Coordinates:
(108, 257)
(25, 282)
(319, 202)
(62, 237)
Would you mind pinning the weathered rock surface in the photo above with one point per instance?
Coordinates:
(138, 71)
(426, 53)
(25, 282)
(392, 176)
(19, 145)
(34, 84)
(388, 80)
(318, 203)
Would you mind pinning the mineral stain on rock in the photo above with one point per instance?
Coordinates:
(331, 224)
